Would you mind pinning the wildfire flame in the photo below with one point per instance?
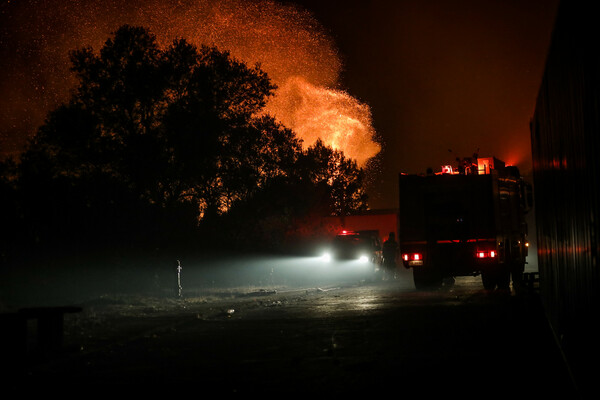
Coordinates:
(334, 116)
(288, 43)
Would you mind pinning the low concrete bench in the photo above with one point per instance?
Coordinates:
(48, 336)
(13, 336)
(50, 321)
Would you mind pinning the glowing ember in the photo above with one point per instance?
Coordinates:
(286, 40)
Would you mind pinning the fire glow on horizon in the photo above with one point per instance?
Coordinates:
(287, 42)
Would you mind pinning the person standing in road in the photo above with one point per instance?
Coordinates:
(390, 254)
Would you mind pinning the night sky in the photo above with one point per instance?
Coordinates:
(425, 81)
(442, 76)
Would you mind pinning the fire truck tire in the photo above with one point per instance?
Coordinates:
(488, 279)
(426, 279)
(503, 280)
(517, 277)
(495, 280)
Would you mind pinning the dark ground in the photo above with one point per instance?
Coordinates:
(343, 339)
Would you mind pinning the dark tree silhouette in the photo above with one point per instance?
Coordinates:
(10, 210)
(154, 140)
(340, 175)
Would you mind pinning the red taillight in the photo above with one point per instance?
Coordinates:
(412, 256)
(485, 254)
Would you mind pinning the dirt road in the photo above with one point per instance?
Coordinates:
(339, 339)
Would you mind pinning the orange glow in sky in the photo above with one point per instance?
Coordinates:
(287, 42)
(333, 115)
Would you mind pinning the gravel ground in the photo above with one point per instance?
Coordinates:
(348, 339)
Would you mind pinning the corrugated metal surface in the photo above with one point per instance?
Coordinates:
(565, 136)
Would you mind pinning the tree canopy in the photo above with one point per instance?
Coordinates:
(156, 143)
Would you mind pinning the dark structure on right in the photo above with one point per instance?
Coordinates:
(565, 138)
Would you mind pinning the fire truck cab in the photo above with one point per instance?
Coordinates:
(362, 246)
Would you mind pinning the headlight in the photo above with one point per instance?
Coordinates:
(326, 257)
(363, 258)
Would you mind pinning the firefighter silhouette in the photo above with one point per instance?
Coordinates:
(390, 253)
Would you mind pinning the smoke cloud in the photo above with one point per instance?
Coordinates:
(286, 40)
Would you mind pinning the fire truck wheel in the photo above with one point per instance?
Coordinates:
(449, 282)
(495, 280)
(489, 280)
(517, 277)
(503, 280)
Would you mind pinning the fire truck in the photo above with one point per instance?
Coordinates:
(465, 220)
(358, 238)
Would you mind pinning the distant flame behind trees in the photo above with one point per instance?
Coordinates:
(314, 112)
(287, 42)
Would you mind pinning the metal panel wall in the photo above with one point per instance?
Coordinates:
(565, 137)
